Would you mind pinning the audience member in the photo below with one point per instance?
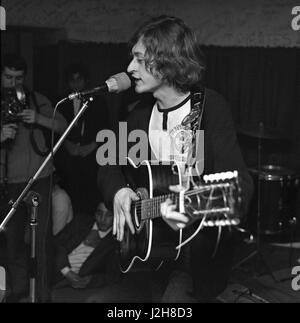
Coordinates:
(86, 250)
(76, 163)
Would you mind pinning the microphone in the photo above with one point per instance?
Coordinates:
(115, 84)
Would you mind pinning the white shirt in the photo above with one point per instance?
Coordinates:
(62, 211)
(80, 254)
(172, 143)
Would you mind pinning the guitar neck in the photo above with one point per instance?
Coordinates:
(150, 208)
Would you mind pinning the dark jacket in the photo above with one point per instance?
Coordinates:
(73, 235)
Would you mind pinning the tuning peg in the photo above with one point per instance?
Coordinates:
(235, 221)
(210, 223)
(223, 223)
(220, 176)
(206, 178)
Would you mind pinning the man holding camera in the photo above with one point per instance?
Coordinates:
(23, 150)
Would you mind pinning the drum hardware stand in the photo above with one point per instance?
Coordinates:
(258, 251)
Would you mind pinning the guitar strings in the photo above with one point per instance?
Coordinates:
(143, 205)
(189, 193)
(154, 203)
(193, 235)
(200, 227)
(172, 195)
(217, 242)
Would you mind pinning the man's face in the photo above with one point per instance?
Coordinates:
(144, 80)
(11, 78)
(76, 82)
(104, 217)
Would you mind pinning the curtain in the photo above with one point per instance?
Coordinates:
(262, 85)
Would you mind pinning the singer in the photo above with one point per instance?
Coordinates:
(76, 162)
(23, 147)
(166, 62)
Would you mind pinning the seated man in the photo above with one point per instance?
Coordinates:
(85, 247)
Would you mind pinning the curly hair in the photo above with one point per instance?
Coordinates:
(172, 51)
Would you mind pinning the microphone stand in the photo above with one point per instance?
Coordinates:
(38, 172)
(33, 199)
(34, 202)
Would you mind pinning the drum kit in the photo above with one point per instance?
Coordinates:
(276, 186)
(272, 213)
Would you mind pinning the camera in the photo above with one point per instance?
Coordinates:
(13, 102)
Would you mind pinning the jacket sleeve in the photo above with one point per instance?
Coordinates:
(110, 178)
(226, 153)
(70, 237)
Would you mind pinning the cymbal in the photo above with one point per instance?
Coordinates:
(260, 131)
(273, 172)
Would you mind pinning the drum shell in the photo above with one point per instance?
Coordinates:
(277, 205)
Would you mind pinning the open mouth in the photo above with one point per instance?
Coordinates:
(137, 80)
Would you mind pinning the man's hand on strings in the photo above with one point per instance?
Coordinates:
(122, 204)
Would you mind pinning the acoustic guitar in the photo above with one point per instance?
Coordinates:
(215, 201)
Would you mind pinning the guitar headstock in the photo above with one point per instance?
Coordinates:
(216, 200)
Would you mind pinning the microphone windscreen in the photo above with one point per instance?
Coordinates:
(118, 83)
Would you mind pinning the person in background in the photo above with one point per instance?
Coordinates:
(23, 150)
(76, 163)
(86, 250)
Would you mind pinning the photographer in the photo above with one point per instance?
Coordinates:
(23, 150)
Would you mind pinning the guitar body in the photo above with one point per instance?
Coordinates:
(214, 201)
(154, 240)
